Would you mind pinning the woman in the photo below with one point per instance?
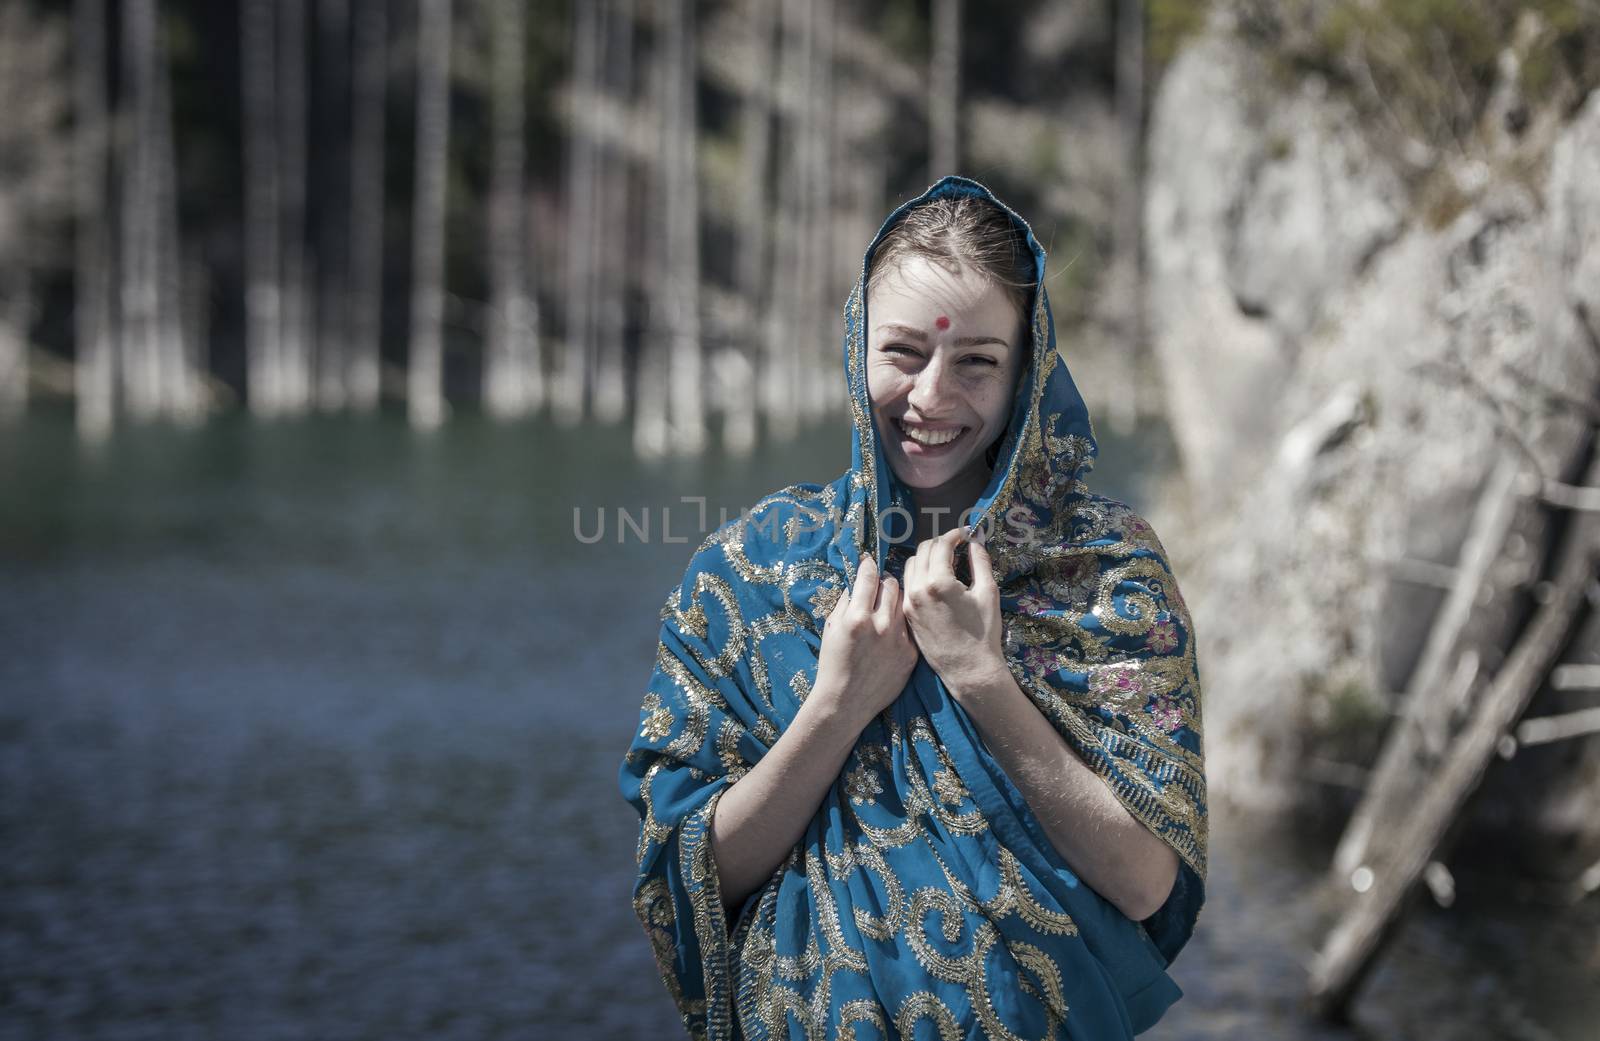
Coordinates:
(881, 800)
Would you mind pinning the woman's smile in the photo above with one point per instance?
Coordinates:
(918, 439)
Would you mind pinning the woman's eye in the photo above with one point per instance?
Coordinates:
(901, 348)
(981, 360)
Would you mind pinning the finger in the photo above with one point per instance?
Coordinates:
(866, 592)
(888, 603)
(941, 555)
(840, 604)
(982, 568)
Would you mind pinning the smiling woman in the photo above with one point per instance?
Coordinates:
(874, 793)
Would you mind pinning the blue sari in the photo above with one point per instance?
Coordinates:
(924, 899)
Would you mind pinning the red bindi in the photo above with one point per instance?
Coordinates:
(942, 322)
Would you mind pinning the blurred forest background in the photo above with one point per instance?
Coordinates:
(618, 210)
(324, 323)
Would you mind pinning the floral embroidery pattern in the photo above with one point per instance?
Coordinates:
(658, 724)
(1033, 603)
(824, 599)
(1167, 714)
(948, 787)
(863, 785)
(1073, 579)
(1163, 636)
(1120, 683)
(1039, 659)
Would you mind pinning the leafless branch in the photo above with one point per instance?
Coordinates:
(1585, 406)
(1441, 53)
(1497, 405)
(1571, 496)
(1369, 84)
(1586, 322)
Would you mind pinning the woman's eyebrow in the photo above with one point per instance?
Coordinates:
(911, 332)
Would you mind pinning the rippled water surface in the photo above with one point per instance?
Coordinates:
(312, 731)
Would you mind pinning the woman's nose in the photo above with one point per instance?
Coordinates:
(930, 390)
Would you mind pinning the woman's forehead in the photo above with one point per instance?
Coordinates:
(923, 290)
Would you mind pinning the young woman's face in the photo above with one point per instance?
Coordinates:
(943, 357)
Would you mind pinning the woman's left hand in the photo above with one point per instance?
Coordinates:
(957, 627)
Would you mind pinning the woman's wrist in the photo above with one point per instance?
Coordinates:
(981, 683)
(764, 813)
(839, 718)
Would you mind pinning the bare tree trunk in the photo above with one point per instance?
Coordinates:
(599, 218)
(510, 377)
(681, 210)
(298, 307)
(367, 132)
(195, 317)
(263, 275)
(651, 433)
(944, 90)
(801, 239)
(425, 392)
(16, 288)
(581, 223)
(755, 148)
(1127, 288)
(141, 367)
(862, 120)
(819, 224)
(332, 285)
(785, 366)
(179, 380)
(94, 370)
(156, 379)
(616, 227)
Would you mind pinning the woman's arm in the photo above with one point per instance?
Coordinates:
(1109, 848)
(761, 817)
(865, 659)
(959, 629)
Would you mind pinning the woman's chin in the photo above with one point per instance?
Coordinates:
(927, 475)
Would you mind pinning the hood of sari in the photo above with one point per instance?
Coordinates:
(924, 887)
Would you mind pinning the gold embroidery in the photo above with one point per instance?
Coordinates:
(861, 1011)
(863, 785)
(949, 788)
(658, 724)
(926, 1005)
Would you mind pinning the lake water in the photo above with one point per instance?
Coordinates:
(312, 729)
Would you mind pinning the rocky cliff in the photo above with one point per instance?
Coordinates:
(1346, 362)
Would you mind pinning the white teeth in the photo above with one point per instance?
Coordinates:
(931, 438)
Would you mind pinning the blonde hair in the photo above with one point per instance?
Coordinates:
(962, 230)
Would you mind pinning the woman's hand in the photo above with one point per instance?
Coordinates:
(956, 626)
(867, 653)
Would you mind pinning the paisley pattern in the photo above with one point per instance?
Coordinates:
(924, 899)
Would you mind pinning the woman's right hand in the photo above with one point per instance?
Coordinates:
(867, 651)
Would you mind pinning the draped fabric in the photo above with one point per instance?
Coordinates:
(924, 899)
